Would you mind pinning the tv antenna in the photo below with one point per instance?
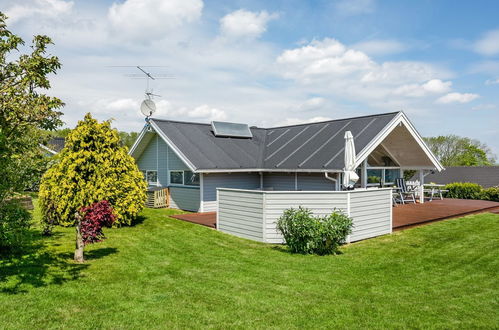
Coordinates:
(147, 107)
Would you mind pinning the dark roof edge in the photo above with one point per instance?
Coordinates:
(276, 127)
(339, 119)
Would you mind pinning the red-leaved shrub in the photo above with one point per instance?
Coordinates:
(95, 217)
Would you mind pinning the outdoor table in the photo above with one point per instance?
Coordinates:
(433, 188)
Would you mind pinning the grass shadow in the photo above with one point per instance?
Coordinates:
(138, 221)
(35, 267)
(90, 255)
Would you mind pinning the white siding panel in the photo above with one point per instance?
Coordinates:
(320, 203)
(240, 213)
(253, 214)
(371, 213)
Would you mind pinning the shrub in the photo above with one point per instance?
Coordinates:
(464, 190)
(14, 224)
(93, 166)
(305, 233)
(95, 217)
(491, 194)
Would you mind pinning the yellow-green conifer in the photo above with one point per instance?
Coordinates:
(92, 167)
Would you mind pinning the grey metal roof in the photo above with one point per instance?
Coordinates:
(56, 144)
(486, 176)
(314, 146)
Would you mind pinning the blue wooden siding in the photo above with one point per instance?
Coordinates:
(279, 181)
(157, 156)
(314, 182)
(225, 180)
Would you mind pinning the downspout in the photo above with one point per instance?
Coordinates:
(326, 174)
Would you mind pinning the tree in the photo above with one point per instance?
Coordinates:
(24, 110)
(128, 139)
(92, 167)
(453, 150)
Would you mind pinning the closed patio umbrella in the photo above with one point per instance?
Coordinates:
(349, 175)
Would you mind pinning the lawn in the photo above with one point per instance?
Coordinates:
(164, 273)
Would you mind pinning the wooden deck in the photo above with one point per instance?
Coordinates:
(404, 216)
(410, 215)
(208, 219)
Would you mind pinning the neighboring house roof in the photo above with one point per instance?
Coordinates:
(308, 147)
(486, 176)
(54, 145)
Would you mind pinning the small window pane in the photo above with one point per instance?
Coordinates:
(373, 176)
(191, 179)
(177, 177)
(391, 175)
(152, 176)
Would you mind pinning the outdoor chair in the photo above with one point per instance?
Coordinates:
(405, 194)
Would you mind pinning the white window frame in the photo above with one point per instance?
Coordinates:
(170, 178)
(192, 185)
(152, 182)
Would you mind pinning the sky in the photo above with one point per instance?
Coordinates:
(269, 63)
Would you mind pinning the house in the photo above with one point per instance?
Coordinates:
(486, 176)
(194, 159)
(54, 145)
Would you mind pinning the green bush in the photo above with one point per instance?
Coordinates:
(491, 194)
(93, 166)
(464, 190)
(307, 234)
(14, 224)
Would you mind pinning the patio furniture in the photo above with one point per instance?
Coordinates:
(434, 189)
(405, 194)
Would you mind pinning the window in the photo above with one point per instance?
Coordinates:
(373, 177)
(176, 177)
(391, 175)
(191, 179)
(152, 177)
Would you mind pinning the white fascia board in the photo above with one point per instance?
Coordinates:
(173, 147)
(422, 143)
(48, 149)
(399, 118)
(139, 139)
(263, 170)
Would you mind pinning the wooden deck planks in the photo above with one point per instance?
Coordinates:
(404, 216)
(409, 215)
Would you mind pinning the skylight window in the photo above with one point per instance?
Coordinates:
(224, 129)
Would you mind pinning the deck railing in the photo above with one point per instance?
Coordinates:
(253, 213)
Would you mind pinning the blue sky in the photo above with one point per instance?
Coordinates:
(276, 62)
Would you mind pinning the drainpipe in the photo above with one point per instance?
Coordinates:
(326, 174)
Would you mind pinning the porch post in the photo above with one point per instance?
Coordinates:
(363, 176)
(421, 188)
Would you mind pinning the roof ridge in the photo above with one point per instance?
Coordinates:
(277, 127)
(333, 120)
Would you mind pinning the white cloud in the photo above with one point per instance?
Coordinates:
(434, 86)
(457, 98)
(312, 104)
(328, 66)
(488, 44)
(296, 121)
(486, 106)
(152, 19)
(206, 112)
(380, 47)
(245, 24)
(492, 81)
(39, 8)
(355, 7)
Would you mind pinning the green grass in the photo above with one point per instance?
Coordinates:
(165, 273)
